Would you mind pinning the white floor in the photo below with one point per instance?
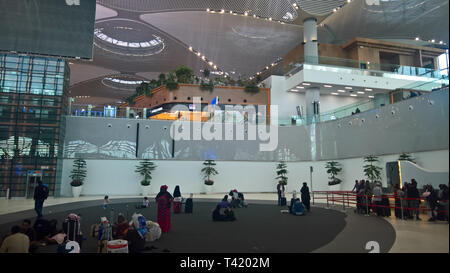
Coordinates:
(411, 236)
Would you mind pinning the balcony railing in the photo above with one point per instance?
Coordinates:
(361, 67)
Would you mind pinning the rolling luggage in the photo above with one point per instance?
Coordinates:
(189, 206)
(71, 227)
(283, 201)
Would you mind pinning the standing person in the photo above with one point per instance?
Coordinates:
(398, 195)
(305, 196)
(443, 199)
(40, 194)
(368, 195)
(413, 200)
(280, 190)
(377, 194)
(432, 201)
(17, 242)
(356, 187)
(164, 200)
(177, 200)
(106, 202)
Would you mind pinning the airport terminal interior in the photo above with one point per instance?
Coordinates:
(205, 126)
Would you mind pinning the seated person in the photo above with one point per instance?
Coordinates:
(145, 203)
(41, 227)
(224, 203)
(121, 227)
(235, 201)
(216, 215)
(229, 214)
(136, 243)
(297, 208)
(16, 242)
(58, 238)
(28, 230)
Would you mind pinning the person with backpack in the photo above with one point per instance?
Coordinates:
(40, 194)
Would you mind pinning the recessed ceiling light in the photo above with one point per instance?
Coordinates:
(433, 40)
(371, 97)
(301, 87)
(441, 42)
(334, 93)
(305, 83)
(360, 92)
(190, 48)
(368, 89)
(207, 10)
(342, 91)
(353, 95)
(326, 85)
(198, 54)
(347, 87)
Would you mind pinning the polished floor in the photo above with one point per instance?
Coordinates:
(411, 236)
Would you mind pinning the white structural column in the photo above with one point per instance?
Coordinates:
(312, 100)
(310, 40)
(311, 52)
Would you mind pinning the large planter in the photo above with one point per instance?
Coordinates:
(76, 191)
(146, 190)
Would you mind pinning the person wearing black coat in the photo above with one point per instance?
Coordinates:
(305, 196)
(40, 194)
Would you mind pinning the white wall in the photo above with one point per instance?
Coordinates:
(117, 177)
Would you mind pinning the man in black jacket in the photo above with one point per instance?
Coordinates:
(40, 194)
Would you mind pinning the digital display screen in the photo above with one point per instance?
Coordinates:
(48, 27)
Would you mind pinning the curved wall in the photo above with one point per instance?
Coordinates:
(117, 177)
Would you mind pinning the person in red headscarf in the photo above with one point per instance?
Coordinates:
(164, 200)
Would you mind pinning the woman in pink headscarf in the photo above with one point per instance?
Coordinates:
(164, 200)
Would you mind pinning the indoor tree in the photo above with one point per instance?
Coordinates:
(282, 172)
(206, 72)
(371, 171)
(184, 74)
(333, 170)
(145, 169)
(171, 84)
(78, 173)
(406, 157)
(209, 171)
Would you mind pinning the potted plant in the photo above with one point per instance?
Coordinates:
(282, 172)
(145, 169)
(209, 171)
(371, 171)
(78, 174)
(333, 170)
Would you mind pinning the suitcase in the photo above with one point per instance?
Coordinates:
(298, 209)
(283, 201)
(117, 246)
(71, 228)
(189, 206)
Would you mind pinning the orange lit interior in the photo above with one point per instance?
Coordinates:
(183, 115)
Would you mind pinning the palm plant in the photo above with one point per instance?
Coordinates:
(78, 173)
(282, 172)
(333, 169)
(371, 171)
(406, 157)
(145, 169)
(209, 171)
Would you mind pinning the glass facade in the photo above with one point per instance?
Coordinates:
(33, 100)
